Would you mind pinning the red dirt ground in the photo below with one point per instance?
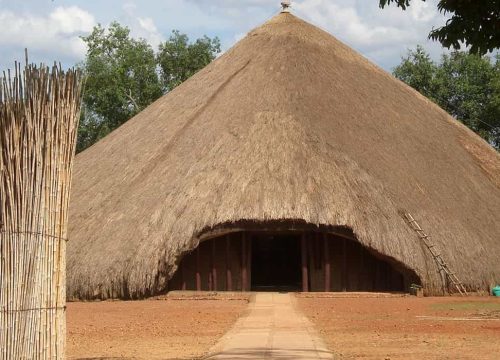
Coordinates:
(408, 327)
(367, 328)
(150, 329)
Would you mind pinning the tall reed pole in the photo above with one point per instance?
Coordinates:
(39, 113)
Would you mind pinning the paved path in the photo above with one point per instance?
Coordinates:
(272, 329)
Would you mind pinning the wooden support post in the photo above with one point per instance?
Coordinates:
(183, 274)
(313, 259)
(318, 258)
(229, 276)
(311, 256)
(209, 278)
(303, 251)
(198, 275)
(326, 259)
(249, 263)
(243, 262)
(361, 281)
(377, 275)
(387, 271)
(344, 265)
(214, 265)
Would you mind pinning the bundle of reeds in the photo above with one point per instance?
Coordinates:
(39, 112)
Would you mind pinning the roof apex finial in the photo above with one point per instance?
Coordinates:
(285, 5)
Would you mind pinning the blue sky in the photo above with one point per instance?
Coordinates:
(50, 29)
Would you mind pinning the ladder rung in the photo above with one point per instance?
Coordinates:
(443, 266)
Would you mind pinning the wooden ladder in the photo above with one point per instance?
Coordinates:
(442, 265)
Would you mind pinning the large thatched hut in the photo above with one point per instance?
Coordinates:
(285, 163)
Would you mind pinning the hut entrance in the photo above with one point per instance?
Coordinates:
(275, 263)
(289, 260)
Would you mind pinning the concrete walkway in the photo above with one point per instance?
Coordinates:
(272, 329)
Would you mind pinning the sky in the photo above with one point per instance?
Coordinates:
(51, 29)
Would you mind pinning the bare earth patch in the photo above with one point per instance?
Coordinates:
(149, 329)
(408, 327)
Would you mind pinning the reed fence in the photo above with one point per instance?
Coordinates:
(39, 113)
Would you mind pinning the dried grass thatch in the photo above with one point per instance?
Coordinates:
(289, 124)
(39, 112)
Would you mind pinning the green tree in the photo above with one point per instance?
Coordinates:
(473, 22)
(91, 128)
(124, 75)
(121, 80)
(179, 59)
(465, 85)
(418, 71)
(465, 88)
(492, 109)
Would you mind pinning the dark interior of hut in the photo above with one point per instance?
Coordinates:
(275, 262)
(288, 261)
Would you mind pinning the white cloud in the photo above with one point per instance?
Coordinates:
(57, 33)
(232, 3)
(239, 36)
(381, 35)
(344, 20)
(150, 31)
(142, 27)
(423, 11)
(240, 10)
(72, 19)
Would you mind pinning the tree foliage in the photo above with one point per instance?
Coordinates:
(418, 70)
(465, 85)
(476, 23)
(121, 79)
(124, 75)
(179, 60)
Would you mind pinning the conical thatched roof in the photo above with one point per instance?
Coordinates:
(289, 124)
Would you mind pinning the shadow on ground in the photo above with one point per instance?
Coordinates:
(248, 354)
(124, 358)
(263, 353)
